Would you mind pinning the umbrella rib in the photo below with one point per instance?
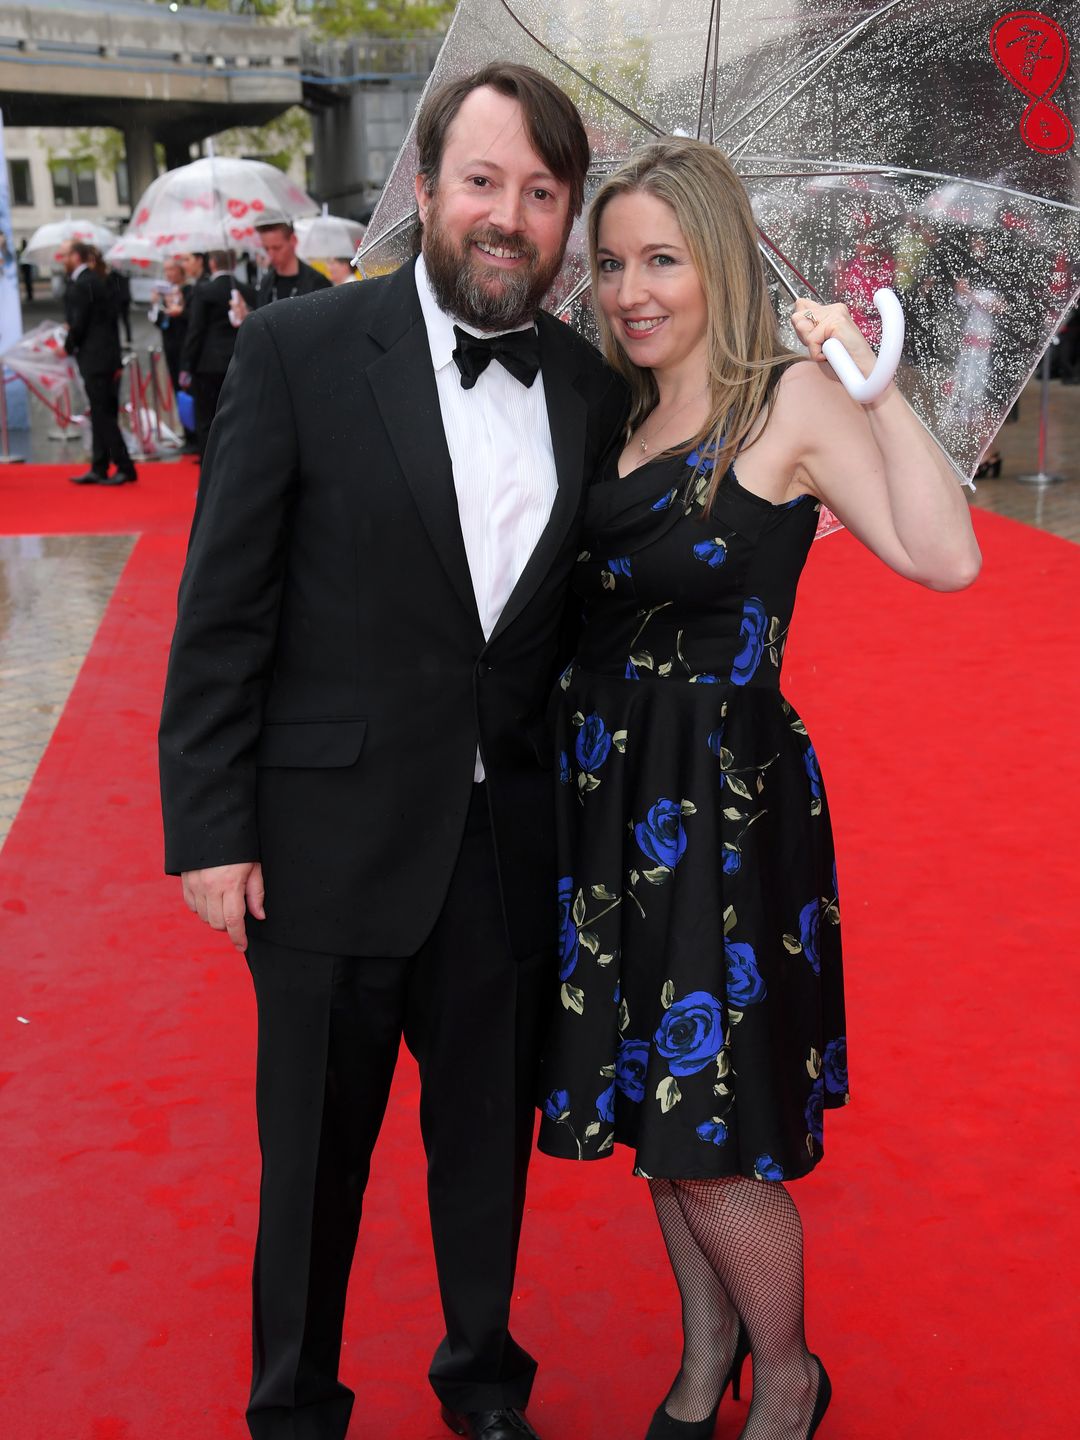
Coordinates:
(815, 64)
(705, 74)
(599, 89)
(839, 168)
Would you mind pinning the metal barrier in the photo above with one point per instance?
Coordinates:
(148, 413)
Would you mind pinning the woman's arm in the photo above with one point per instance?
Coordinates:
(875, 466)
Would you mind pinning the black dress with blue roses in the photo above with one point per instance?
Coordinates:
(701, 1012)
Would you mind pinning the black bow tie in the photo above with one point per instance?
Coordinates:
(518, 351)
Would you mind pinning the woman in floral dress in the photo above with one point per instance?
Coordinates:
(701, 1014)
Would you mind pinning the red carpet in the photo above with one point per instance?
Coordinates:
(941, 1265)
(41, 500)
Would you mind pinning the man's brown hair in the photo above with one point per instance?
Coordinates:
(552, 124)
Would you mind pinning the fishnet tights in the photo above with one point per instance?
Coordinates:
(740, 1249)
(710, 1321)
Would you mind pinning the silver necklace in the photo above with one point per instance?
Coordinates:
(641, 433)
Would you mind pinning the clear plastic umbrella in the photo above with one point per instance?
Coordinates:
(328, 237)
(926, 147)
(47, 244)
(215, 204)
(136, 256)
(38, 357)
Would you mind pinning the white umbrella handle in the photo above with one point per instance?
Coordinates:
(865, 388)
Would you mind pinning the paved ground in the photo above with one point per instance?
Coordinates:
(54, 589)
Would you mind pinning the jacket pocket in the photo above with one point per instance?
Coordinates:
(311, 744)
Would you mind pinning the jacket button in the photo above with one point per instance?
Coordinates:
(485, 667)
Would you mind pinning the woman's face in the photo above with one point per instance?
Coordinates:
(648, 287)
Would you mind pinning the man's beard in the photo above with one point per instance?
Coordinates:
(485, 296)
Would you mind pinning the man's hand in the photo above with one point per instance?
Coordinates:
(222, 894)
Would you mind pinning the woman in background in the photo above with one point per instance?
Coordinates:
(701, 1020)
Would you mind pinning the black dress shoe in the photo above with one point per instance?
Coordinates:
(119, 477)
(92, 477)
(489, 1424)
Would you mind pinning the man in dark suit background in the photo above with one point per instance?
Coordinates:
(210, 340)
(288, 277)
(356, 774)
(94, 340)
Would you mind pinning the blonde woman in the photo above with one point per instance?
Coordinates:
(701, 1021)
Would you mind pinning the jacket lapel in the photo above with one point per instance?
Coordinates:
(567, 417)
(403, 383)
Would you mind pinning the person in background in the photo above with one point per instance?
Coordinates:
(341, 271)
(211, 337)
(168, 311)
(93, 339)
(121, 294)
(288, 276)
(26, 272)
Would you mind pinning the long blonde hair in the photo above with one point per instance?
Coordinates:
(744, 347)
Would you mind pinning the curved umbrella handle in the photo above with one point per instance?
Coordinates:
(865, 388)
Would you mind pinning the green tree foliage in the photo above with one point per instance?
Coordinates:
(344, 19)
(279, 142)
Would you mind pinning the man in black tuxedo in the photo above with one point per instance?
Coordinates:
(356, 772)
(94, 340)
(210, 340)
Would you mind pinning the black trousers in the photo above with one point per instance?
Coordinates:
(206, 392)
(330, 1028)
(103, 393)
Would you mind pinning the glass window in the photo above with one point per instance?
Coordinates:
(74, 186)
(63, 185)
(19, 182)
(123, 185)
(85, 186)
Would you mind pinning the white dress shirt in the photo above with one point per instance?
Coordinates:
(504, 467)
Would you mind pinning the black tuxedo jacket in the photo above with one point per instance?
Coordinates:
(93, 336)
(329, 678)
(211, 336)
(307, 282)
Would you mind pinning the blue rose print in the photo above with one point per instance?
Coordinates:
(564, 768)
(631, 1062)
(700, 461)
(815, 1111)
(557, 1105)
(568, 932)
(768, 1169)
(621, 566)
(665, 502)
(631, 671)
(834, 1066)
(691, 1034)
(593, 744)
(752, 633)
(605, 1104)
(706, 679)
(732, 859)
(810, 932)
(712, 552)
(715, 1131)
(744, 983)
(660, 835)
(716, 741)
(813, 772)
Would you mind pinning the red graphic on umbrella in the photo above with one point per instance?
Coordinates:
(237, 209)
(1032, 52)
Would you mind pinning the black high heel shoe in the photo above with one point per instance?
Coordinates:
(665, 1427)
(824, 1395)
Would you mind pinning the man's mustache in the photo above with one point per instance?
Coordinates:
(518, 246)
